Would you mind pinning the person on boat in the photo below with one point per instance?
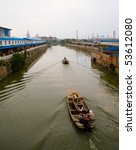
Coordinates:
(88, 120)
(65, 59)
(84, 119)
(91, 121)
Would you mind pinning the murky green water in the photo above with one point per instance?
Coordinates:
(33, 110)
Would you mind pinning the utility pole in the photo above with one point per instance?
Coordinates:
(76, 35)
(114, 34)
(88, 38)
(92, 36)
(28, 34)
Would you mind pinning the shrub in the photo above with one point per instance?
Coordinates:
(18, 62)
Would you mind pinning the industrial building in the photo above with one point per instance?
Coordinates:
(5, 32)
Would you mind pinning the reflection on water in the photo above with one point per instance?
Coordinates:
(33, 110)
(109, 77)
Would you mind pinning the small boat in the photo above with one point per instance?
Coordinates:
(77, 108)
(65, 61)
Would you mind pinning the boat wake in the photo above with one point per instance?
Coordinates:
(92, 145)
(13, 86)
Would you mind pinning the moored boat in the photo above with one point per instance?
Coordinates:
(79, 110)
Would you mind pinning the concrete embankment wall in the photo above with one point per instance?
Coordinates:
(106, 60)
(31, 53)
(81, 47)
(35, 52)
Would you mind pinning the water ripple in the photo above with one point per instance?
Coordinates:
(14, 86)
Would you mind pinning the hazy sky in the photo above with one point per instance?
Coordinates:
(60, 18)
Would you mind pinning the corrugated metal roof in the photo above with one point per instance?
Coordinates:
(110, 43)
(112, 48)
(5, 28)
(33, 39)
(16, 38)
(11, 38)
(106, 40)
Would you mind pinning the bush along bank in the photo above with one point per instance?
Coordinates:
(18, 62)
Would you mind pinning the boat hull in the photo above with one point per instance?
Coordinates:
(76, 114)
(65, 62)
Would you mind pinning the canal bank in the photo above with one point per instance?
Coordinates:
(107, 60)
(32, 54)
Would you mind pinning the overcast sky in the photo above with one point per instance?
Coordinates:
(60, 18)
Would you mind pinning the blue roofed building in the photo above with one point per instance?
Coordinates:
(4, 32)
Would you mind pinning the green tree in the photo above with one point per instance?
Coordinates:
(18, 62)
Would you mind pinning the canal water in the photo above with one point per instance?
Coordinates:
(33, 110)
